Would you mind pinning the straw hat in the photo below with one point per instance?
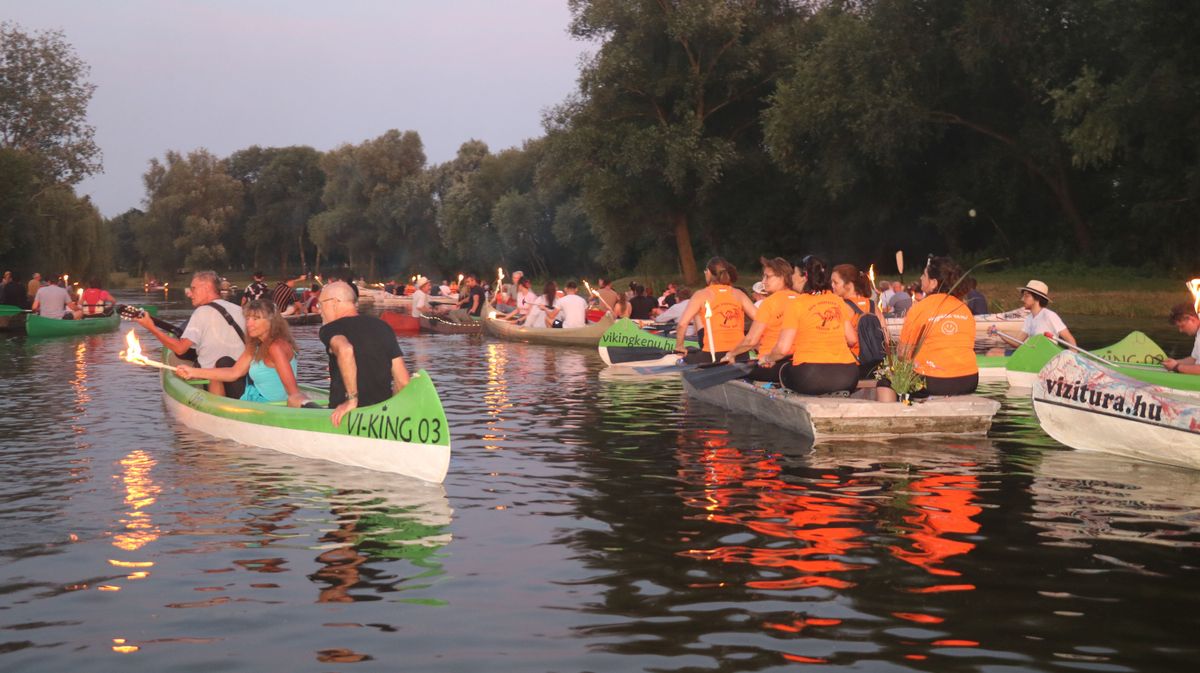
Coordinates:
(1038, 288)
(420, 282)
(759, 288)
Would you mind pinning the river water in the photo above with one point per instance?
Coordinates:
(589, 522)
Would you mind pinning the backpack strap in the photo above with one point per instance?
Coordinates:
(854, 306)
(228, 318)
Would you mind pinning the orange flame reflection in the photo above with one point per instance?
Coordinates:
(1193, 286)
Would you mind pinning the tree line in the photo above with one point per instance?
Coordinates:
(1038, 130)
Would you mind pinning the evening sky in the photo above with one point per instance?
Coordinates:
(228, 74)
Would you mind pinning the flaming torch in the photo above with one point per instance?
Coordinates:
(871, 277)
(499, 283)
(601, 299)
(712, 348)
(1193, 286)
(134, 353)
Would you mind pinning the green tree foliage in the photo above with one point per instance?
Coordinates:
(190, 201)
(43, 104)
(282, 190)
(669, 101)
(123, 232)
(71, 236)
(377, 200)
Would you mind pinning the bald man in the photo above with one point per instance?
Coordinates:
(366, 365)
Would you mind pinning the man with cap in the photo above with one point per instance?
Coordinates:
(758, 293)
(1041, 320)
(1184, 318)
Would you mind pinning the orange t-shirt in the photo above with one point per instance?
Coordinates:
(771, 313)
(820, 335)
(728, 319)
(949, 347)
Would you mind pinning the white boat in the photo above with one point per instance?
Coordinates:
(1009, 323)
(1137, 413)
(847, 417)
(407, 434)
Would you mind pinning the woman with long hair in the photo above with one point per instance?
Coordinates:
(729, 307)
(269, 358)
(817, 331)
(768, 323)
(939, 332)
(542, 311)
(854, 287)
(621, 307)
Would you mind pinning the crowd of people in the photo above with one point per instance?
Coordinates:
(52, 298)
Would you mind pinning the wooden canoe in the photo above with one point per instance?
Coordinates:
(588, 336)
(821, 418)
(439, 325)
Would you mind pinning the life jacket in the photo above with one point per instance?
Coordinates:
(93, 300)
(728, 319)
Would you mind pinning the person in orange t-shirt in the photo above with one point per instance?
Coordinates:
(768, 324)
(939, 332)
(817, 324)
(729, 305)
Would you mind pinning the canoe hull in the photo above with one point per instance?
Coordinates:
(37, 326)
(626, 344)
(407, 434)
(444, 326)
(1092, 407)
(839, 417)
(401, 323)
(588, 337)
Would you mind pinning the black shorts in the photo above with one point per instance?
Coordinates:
(812, 378)
(956, 385)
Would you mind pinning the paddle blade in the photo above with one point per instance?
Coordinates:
(707, 377)
(10, 310)
(900, 261)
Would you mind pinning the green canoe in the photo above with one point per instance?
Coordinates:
(37, 326)
(1025, 362)
(407, 434)
(626, 343)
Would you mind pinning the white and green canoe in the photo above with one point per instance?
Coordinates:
(408, 434)
(1025, 362)
(628, 344)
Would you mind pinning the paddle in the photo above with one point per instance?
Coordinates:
(1097, 358)
(709, 375)
(7, 310)
(900, 264)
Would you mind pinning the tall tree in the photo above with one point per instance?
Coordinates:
(925, 92)
(285, 195)
(190, 200)
(671, 97)
(43, 104)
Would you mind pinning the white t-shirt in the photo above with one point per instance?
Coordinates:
(1196, 349)
(444, 290)
(674, 313)
(887, 294)
(537, 314)
(212, 335)
(1045, 321)
(574, 310)
(52, 301)
(525, 301)
(420, 304)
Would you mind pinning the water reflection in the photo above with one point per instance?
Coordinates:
(140, 493)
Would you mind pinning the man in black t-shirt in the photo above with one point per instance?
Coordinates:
(366, 366)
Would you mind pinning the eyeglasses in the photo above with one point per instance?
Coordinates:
(322, 302)
(768, 274)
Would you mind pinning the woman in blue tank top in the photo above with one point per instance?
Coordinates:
(269, 359)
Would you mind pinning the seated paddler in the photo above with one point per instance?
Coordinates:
(721, 310)
(768, 323)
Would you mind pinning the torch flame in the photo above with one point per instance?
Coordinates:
(589, 288)
(134, 353)
(1193, 286)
